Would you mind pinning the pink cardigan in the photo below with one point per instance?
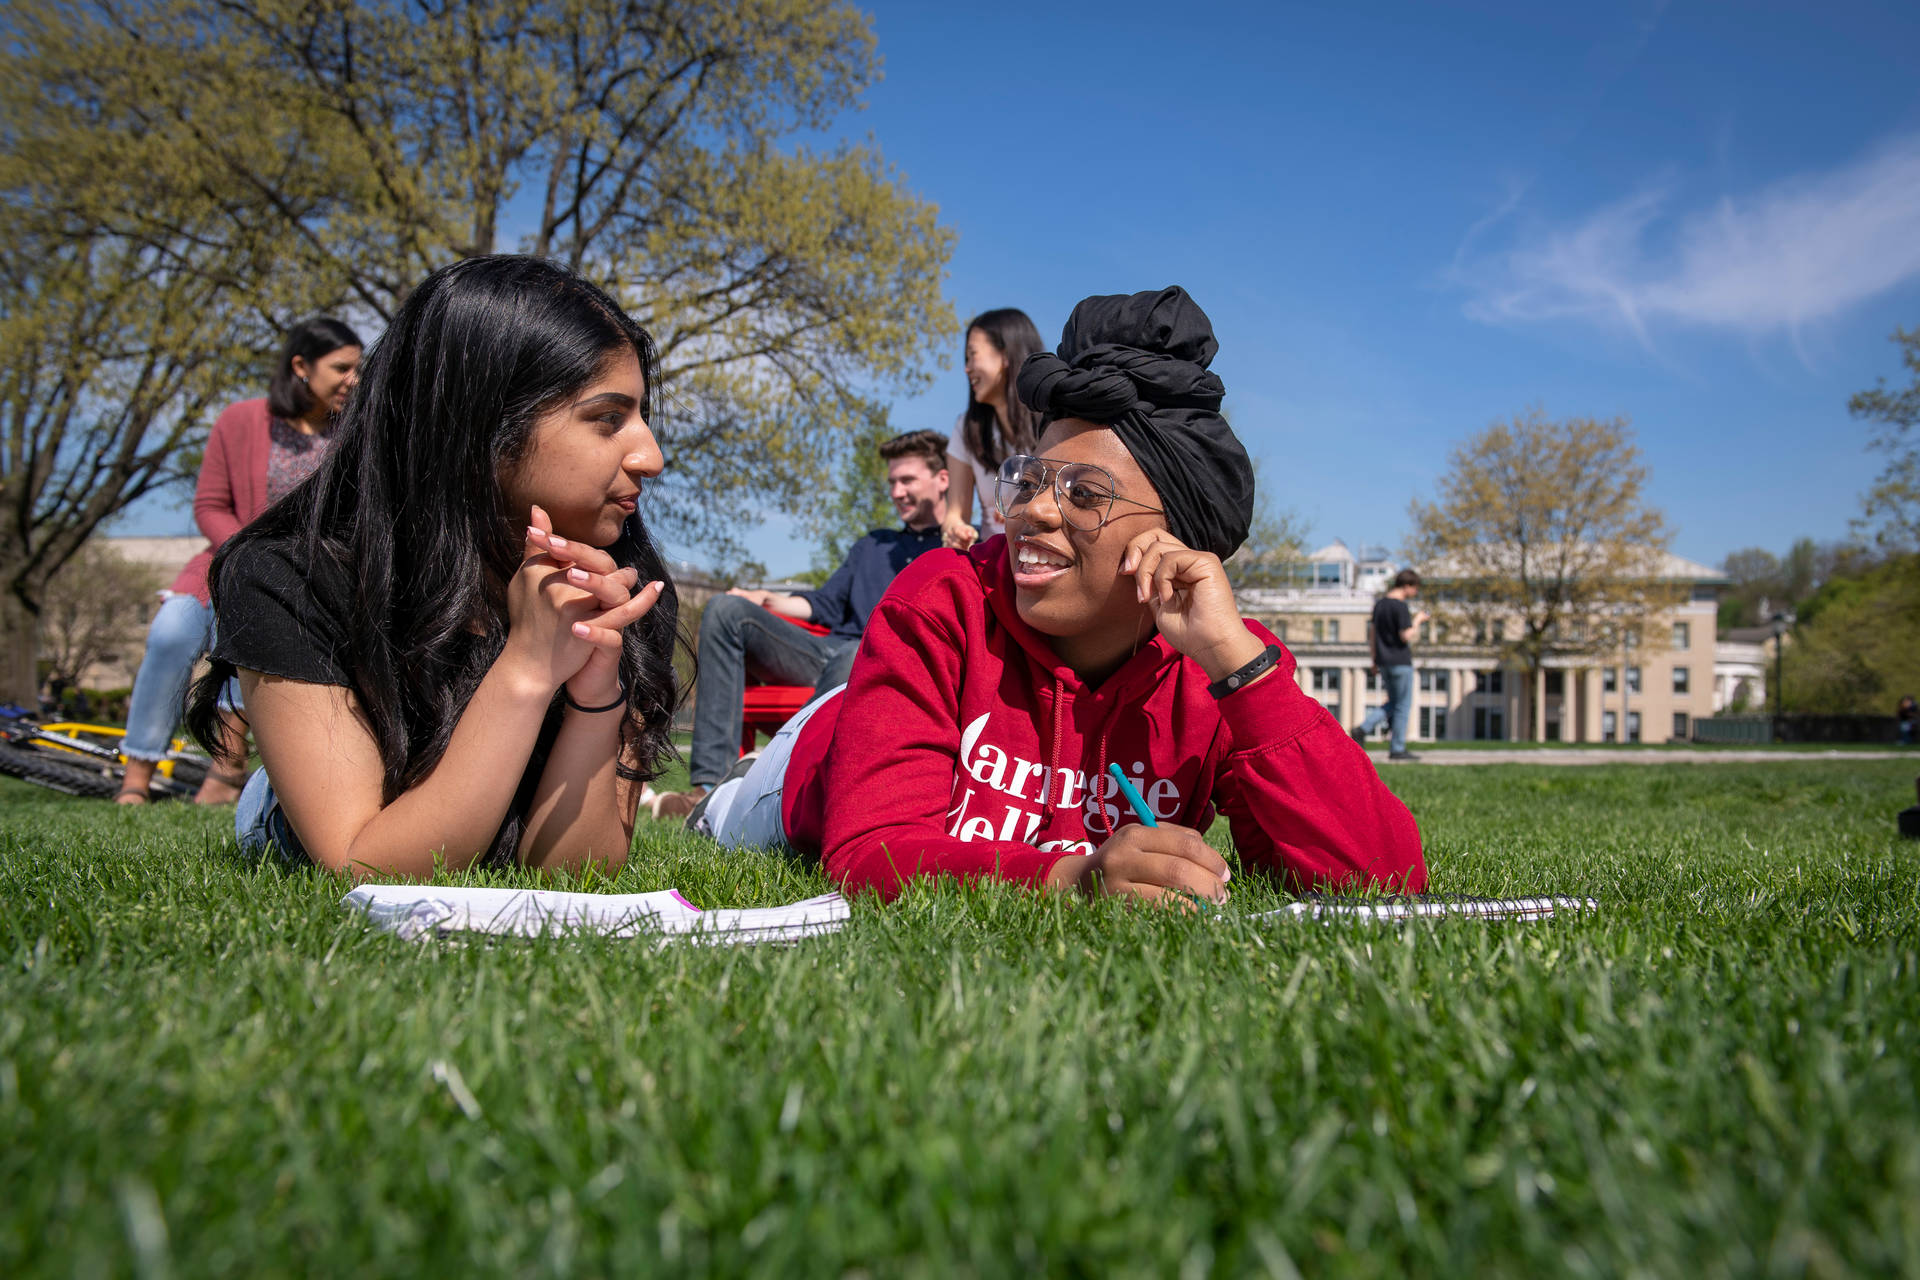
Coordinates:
(232, 488)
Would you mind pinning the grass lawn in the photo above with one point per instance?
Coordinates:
(207, 1070)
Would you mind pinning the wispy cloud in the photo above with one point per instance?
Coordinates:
(1771, 261)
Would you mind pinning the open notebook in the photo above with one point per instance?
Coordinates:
(1426, 907)
(414, 911)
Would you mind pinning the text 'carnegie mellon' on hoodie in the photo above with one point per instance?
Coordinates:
(963, 746)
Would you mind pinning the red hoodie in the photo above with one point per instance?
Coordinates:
(964, 746)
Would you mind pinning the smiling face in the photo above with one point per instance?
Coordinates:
(329, 378)
(986, 368)
(587, 457)
(1067, 582)
(917, 490)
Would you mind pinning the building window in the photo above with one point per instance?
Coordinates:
(1333, 631)
(1556, 684)
(1433, 722)
(1682, 635)
(1609, 726)
(1319, 630)
(1680, 678)
(1433, 681)
(1373, 680)
(1489, 724)
(1279, 628)
(1499, 630)
(1553, 731)
(1480, 632)
(1326, 679)
(1488, 681)
(1680, 726)
(1633, 679)
(1633, 726)
(1326, 574)
(1609, 680)
(1426, 632)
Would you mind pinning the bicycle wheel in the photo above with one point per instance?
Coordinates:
(39, 768)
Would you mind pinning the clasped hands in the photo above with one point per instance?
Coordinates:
(566, 608)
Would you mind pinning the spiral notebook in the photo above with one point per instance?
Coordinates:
(417, 911)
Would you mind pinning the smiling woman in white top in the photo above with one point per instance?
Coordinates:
(994, 425)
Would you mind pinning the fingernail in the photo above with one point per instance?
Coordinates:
(1226, 875)
(577, 575)
(556, 540)
(658, 586)
(582, 630)
(532, 532)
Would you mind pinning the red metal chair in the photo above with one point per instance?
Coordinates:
(768, 706)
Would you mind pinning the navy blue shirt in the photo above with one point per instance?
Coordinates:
(846, 601)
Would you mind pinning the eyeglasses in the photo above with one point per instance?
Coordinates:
(1082, 491)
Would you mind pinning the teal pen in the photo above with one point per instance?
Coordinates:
(1147, 819)
(1133, 797)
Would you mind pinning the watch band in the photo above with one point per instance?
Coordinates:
(1269, 658)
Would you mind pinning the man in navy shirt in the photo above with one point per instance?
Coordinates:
(739, 632)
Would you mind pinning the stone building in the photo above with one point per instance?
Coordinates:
(1462, 689)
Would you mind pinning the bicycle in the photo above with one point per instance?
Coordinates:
(79, 759)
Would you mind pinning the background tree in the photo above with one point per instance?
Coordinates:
(856, 502)
(97, 605)
(180, 179)
(1543, 527)
(1891, 509)
(1761, 584)
(1853, 649)
(1276, 543)
(653, 146)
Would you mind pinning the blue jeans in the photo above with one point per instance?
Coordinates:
(261, 826)
(178, 635)
(744, 812)
(738, 637)
(1399, 707)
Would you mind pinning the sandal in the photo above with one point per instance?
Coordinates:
(131, 796)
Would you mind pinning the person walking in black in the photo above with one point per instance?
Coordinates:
(1394, 624)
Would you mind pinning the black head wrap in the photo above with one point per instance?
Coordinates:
(1138, 363)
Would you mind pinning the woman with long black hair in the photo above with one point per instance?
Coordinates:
(256, 453)
(455, 639)
(994, 425)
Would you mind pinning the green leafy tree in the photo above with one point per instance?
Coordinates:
(1891, 509)
(1852, 648)
(182, 178)
(1543, 528)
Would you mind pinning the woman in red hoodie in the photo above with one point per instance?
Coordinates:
(994, 688)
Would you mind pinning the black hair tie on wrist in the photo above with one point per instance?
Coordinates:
(1269, 657)
(615, 705)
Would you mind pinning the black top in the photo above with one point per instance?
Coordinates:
(1391, 618)
(281, 617)
(846, 600)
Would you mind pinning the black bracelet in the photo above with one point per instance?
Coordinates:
(1269, 657)
(594, 711)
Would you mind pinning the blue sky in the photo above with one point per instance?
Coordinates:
(1410, 220)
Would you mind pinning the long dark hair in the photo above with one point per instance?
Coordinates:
(408, 515)
(287, 396)
(1012, 333)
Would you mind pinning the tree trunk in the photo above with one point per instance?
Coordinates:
(19, 648)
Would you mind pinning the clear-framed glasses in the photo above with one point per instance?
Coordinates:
(1082, 491)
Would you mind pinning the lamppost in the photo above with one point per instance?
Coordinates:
(1781, 622)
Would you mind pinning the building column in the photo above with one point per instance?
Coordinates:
(1539, 695)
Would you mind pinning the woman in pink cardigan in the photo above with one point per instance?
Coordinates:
(257, 452)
